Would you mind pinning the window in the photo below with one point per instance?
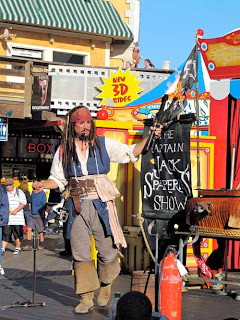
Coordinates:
(68, 58)
(25, 53)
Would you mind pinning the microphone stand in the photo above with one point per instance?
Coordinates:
(156, 265)
(34, 265)
(30, 303)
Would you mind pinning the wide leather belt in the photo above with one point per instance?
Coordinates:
(82, 187)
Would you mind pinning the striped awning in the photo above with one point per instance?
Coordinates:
(88, 16)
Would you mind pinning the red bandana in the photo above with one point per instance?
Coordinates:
(81, 114)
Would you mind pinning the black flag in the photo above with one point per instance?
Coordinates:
(189, 73)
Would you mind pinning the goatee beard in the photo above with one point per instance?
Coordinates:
(83, 137)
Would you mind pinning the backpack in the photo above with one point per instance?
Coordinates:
(4, 207)
(17, 192)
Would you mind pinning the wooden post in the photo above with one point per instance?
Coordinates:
(28, 89)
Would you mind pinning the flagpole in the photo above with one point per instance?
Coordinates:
(199, 33)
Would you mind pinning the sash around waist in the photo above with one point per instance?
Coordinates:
(99, 184)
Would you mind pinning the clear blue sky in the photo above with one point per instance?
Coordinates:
(168, 28)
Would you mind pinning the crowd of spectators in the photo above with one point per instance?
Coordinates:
(25, 211)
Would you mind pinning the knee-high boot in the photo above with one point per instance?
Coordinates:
(107, 272)
(86, 281)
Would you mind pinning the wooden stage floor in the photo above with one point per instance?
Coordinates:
(55, 287)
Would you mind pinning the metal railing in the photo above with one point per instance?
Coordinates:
(65, 93)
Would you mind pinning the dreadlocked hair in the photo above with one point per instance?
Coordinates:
(94, 141)
(68, 143)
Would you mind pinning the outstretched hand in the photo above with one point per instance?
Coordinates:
(158, 130)
(37, 186)
(139, 147)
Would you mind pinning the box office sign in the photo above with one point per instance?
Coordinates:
(46, 148)
(30, 147)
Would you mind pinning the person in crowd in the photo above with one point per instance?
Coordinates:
(36, 219)
(17, 202)
(128, 65)
(136, 57)
(148, 64)
(134, 305)
(81, 164)
(4, 214)
(26, 210)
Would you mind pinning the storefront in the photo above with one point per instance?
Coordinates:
(29, 150)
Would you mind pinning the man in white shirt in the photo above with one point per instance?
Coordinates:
(17, 202)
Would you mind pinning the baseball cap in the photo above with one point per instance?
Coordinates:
(9, 181)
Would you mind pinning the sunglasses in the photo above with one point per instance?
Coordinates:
(7, 185)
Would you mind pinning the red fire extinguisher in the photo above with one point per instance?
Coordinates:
(170, 288)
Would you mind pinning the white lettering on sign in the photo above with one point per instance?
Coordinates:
(167, 183)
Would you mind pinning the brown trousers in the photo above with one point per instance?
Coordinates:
(86, 224)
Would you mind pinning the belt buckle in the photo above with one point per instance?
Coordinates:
(81, 189)
(89, 184)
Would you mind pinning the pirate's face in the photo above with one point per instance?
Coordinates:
(82, 129)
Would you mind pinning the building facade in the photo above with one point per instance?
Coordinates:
(74, 44)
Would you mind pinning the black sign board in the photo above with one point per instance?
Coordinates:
(166, 172)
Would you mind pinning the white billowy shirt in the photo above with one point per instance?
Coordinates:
(15, 199)
(117, 151)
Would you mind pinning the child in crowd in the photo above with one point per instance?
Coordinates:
(36, 219)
